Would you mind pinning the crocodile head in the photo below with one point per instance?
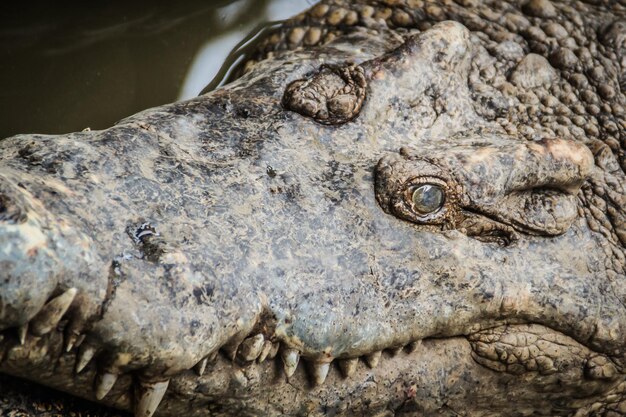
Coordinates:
(350, 211)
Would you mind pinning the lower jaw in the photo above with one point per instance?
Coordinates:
(440, 378)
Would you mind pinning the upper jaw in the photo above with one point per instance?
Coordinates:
(43, 253)
(391, 290)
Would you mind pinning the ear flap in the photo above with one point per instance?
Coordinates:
(335, 95)
(332, 96)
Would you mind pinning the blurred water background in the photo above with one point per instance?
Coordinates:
(65, 67)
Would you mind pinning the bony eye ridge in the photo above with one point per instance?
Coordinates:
(427, 198)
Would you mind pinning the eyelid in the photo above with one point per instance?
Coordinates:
(414, 183)
(434, 217)
(396, 178)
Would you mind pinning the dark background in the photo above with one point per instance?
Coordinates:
(68, 66)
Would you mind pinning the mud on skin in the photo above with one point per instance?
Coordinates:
(391, 214)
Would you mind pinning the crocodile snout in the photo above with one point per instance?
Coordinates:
(26, 261)
(10, 211)
(42, 257)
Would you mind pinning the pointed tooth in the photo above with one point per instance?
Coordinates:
(74, 340)
(212, 356)
(148, 396)
(250, 348)
(319, 372)
(22, 331)
(348, 366)
(239, 378)
(52, 313)
(201, 366)
(80, 340)
(413, 346)
(267, 347)
(83, 358)
(274, 350)
(291, 357)
(104, 383)
(76, 327)
(372, 359)
(70, 342)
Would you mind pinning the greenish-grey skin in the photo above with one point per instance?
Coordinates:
(451, 194)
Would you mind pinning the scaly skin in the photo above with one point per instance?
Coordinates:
(281, 215)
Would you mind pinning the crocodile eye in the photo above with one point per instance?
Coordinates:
(427, 198)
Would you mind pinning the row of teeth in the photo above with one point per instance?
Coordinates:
(148, 395)
(257, 348)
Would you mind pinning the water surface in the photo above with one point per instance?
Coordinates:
(65, 68)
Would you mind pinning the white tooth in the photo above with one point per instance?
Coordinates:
(212, 356)
(84, 356)
(148, 396)
(291, 357)
(80, 340)
(348, 366)
(104, 383)
(70, 341)
(413, 346)
(74, 340)
(52, 313)
(319, 371)
(250, 348)
(274, 350)
(201, 366)
(267, 347)
(240, 378)
(22, 331)
(372, 359)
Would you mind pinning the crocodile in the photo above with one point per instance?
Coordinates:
(400, 208)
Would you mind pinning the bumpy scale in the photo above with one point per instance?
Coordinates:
(436, 207)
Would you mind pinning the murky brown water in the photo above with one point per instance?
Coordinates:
(66, 68)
